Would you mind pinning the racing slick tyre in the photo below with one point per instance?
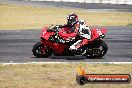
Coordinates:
(39, 50)
(97, 51)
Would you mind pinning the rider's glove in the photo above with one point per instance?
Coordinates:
(56, 28)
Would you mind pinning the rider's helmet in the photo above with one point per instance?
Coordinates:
(72, 18)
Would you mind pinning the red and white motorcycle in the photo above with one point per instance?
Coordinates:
(48, 45)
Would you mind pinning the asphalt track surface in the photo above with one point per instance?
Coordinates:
(16, 46)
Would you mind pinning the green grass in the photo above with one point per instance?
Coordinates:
(28, 17)
(57, 75)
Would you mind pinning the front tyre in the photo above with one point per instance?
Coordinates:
(98, 50)
(39, 50)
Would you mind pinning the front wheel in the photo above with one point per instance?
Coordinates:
(97, 51)
(39, 50)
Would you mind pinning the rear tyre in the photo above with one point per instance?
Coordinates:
(97, 51)
(39, 50)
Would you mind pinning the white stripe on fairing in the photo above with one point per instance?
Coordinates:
(68, 63)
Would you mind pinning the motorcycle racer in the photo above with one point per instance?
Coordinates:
(80, 27)
(71, 39)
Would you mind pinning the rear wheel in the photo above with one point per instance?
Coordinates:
(97, 51)
(40, 50)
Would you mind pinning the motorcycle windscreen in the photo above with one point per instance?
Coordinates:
(45, 34)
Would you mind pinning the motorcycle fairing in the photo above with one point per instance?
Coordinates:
(97, 32)
(45, 34)
(58, 48)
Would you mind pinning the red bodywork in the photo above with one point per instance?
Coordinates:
(97, 32)
(65, 35)
(59, 48)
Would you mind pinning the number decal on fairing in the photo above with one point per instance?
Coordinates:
(99, 32)
(44, 32)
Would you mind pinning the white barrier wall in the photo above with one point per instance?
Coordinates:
(129, 2)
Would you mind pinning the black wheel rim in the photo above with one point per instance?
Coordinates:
(96, 52)
(41, 50)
